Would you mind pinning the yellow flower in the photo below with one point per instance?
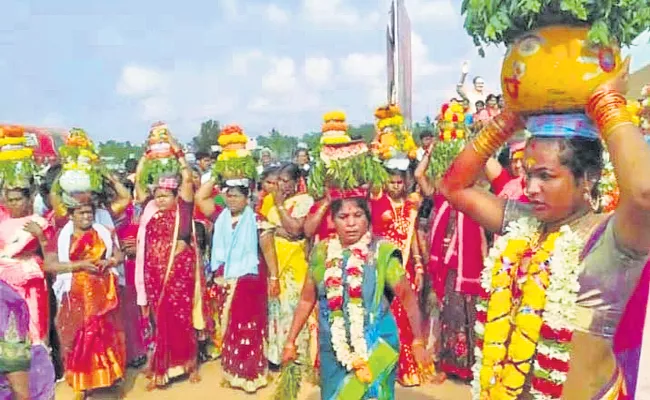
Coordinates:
(335, 139)
(512, 378)
(446, 135)
(521, 348)
(500, 304)
(497, 331)
(493, 352)
(486, 375)
(334, 116)
(460, 134)
(534, 295)
(531, 324)
(501, 280)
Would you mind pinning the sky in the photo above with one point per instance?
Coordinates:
(115, 67)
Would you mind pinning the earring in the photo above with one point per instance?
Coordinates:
(594, 203)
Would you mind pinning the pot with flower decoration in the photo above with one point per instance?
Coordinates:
(158, 157)
(343, 163)
(452, 135)
(235, 160)
(392, 139)
(558, 51)
(16, 158)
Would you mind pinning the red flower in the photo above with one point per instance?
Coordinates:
(355, 292)
(561, 336)
(360, 253)
(481, 316)
(335, 303)
(552, 363)
(333, 281)
(479, 343)
(354, 271)
(547, 387)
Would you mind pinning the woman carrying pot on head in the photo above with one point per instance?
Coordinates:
(563, 272)
(167, 277)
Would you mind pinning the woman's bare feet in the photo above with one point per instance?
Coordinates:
(195, 377)
(151, 385)
(439, 378)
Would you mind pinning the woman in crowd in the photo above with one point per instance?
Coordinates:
(241, 315)
(84, 257)
(456, 250)
(286, 220)
(590, 262)
(16, 355)
(394, 216)
(23, 238)
(167, 277)
(353, 277)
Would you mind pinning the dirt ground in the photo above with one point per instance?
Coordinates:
(210, 388)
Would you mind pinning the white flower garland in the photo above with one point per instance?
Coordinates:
(335, 293)
(561, 295)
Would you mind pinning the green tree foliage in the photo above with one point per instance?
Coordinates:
(612, 21)
(282, 145)
(207, 136)
(120, 151)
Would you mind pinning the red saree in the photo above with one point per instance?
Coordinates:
(170, 293)
(396, 223)
(92, 340)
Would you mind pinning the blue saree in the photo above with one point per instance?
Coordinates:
(384, 270)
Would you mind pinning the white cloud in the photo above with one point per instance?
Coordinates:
(182, 96)
(318, 70)
(230, 8)
(421, 64)
(338, 13)
(281, 78)
(241, 62)
(432, 10)
(137, 81)
(364, 67)
(276, 14)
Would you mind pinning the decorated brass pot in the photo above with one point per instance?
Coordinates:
(555, 69)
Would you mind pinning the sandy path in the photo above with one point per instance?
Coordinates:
(210, 388)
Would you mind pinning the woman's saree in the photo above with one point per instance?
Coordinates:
(382, 271)
(21, 269)
(88, 323)
(396, 223)
(292, 265)
(171, 282)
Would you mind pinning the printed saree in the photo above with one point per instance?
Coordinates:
(383, 271)
(396, 223)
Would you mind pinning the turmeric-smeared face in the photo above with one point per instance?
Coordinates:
(555, 69)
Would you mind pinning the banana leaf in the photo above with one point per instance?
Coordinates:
(443, 155)
(152, 169)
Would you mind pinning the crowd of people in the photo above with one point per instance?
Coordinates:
(364, 285)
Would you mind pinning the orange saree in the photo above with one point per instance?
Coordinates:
(92, 339)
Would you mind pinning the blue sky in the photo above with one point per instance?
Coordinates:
(114, 67)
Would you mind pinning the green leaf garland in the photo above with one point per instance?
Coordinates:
(443, 155)
(152, 169)
(241, 167)
(349, 173)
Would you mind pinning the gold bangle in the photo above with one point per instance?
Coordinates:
(495, 134)
(274, 278)
(417, 343)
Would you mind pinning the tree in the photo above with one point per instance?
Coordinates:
(282, 145)
(207, 136)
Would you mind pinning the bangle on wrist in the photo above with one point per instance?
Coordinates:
(607, 108)
(495, 134)
(417, 343)
(274, 279)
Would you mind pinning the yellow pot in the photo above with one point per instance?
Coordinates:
(554, 69)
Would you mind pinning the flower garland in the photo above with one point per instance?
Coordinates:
(543, 321)
(352, 355)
